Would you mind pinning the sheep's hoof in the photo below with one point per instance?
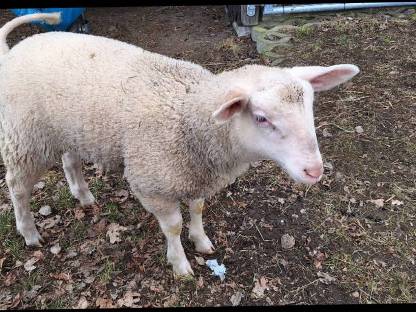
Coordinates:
(88, 200)
(183, 270)
(33, 239)
(204, 246)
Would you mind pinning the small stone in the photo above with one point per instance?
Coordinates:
(355, 294)
(359, 129)
(200, 260)
(303, 211)
(55, 249)
(45, 210)
(287, 241)
(326, 133)
(328, 165)
(396, 202)
(338, 176)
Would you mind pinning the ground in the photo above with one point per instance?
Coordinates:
(353, 233)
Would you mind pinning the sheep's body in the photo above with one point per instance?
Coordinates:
(114, 104)
(180, 132)
(101, 100)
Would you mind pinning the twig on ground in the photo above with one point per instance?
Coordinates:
(264, 240)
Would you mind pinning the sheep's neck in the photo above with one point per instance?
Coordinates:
(212, 147)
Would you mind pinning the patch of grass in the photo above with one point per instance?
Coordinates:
(387, 40)
(65, 199)
(107, 272)
(401, 288)
(6, 223)
(79, 230)
(15, 245)
(112, 212)
(31, 280)
(59, 303)
(96, 186)
(343, 40)
(35, 205)
(304, 31)
(229, 44)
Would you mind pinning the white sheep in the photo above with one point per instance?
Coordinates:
(179, 132)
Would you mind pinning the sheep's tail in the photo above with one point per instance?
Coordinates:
(49, 18)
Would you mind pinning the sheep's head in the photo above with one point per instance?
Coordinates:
(271, 114)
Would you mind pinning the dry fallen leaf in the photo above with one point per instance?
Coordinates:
(55, 249)
(378, 202)
(123, 195)
(259, 287)
(200, 282)
(38, 186)
(1, 262)
(10, 278)
(319, 258)
(325, 278)
(87, 248)
(82, 303)
(113, 232)
(38, 255)
(104, 303)
(29, 264)
(61, 276)
(50, 222)
(16, 301)
(5, 208)
(130, 299)
(79, 213)
(236, 298)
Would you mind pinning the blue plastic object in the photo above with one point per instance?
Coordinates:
(68, 16)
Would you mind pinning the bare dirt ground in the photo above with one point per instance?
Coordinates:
(354, 232)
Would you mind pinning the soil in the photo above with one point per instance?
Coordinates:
(354, 232)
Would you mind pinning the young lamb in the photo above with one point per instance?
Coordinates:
(179, 132)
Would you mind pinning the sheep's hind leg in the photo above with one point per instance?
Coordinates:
(170, 220)
(20, 183)
(72, 165)
(196, 228)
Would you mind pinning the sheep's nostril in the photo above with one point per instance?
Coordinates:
(314, 172)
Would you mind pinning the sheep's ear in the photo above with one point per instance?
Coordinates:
(324, 78)
(235, 102)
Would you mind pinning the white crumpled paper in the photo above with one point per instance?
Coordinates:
(218, 270)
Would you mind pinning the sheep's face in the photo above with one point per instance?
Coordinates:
(273, 117)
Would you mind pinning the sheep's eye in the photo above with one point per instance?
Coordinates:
(261, 119)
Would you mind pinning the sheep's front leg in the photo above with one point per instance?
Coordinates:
(72, 165)
(196, 228)
(170, 219)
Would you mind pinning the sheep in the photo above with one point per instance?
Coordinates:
(177, 132)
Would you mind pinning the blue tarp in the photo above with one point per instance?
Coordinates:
(68, 16)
